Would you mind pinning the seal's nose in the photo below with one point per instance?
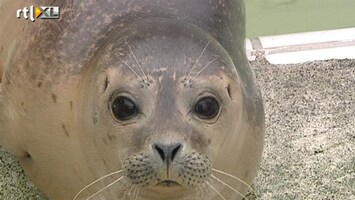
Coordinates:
(167, 152)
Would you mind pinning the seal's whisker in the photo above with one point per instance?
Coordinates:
(109, 185)
(136, 194)
(123, 188)
(228, 186)
(208, 64)
(197, 60)
(198, 192)
(203, 190)
(97, 180)
(136, 60)
(131, 68)
(130, 190)
(234, 177)
(214, 189)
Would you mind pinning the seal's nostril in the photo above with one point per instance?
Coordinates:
(175, 150)
(168, 152)
(160, 151)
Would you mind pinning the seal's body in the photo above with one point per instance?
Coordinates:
(138, 99)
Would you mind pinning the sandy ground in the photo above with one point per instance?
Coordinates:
(310, 135)
(310, 130)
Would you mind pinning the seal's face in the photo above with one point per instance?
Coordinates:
(162, 120)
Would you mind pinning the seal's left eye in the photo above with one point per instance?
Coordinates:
(124, 108)
(207, 108)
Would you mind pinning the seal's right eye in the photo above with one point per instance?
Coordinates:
(124, 108)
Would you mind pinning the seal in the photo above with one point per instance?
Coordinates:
(139, 99)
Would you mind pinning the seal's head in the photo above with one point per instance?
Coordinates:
(163, 108)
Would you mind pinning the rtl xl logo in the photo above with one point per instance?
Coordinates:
(42, 12)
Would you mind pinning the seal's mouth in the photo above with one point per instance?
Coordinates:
(168, 183)
(166, 189)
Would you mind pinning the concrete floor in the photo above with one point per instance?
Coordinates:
(310, 135)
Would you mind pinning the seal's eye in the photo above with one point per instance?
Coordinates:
(124, 108)
(207, 108)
